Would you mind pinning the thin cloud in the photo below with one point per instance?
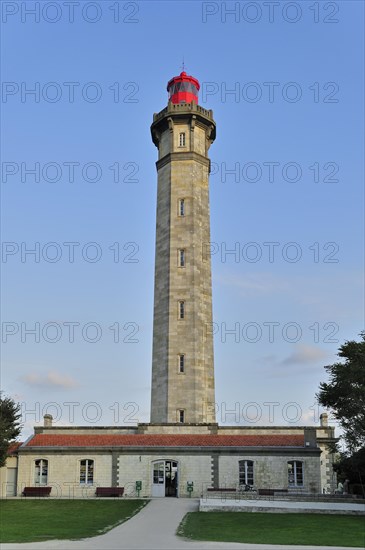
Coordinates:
(304, 354)
(267, 360)
(303, 360)
(263, 284)
(52, 379)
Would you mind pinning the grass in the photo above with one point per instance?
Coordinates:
(266, 528)
(36, 520)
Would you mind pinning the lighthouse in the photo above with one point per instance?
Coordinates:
(183, 451)
(182, 356)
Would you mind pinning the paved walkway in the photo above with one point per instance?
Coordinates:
(152, 529)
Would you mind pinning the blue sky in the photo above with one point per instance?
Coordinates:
(291, 130)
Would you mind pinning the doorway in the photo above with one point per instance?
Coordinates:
(11, 479)
(165, 478)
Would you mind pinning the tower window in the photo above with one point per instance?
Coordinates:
(181, 309)
(182, 140)
(181, 207)
(181, 416)
(181, 363)
(181, 257)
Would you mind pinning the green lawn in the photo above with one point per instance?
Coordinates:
(266, 528)
(36, 520)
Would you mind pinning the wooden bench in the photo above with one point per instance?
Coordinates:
(266, 492)
(109, 491)
(41, 491)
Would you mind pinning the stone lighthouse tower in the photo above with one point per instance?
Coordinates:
(183, 364)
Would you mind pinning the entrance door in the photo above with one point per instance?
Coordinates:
(11, 482)
(170, 478)
(164, 478)
(158, 479)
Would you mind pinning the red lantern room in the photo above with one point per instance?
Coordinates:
(183, 89)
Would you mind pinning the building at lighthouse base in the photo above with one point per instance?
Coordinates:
(172, 460)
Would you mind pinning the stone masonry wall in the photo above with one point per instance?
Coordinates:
(270, 471)
(195, 468)
(64, 473)
(183, 173)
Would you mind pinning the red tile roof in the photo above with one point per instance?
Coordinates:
(13, 448)
(165, 440)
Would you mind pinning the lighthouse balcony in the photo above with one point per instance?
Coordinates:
(183, 108)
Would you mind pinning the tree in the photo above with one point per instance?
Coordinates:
(344, 394)
(10, 426)
(352, 467)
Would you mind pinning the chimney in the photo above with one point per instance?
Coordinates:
(47, 420)
(323, 420)
(310, 437)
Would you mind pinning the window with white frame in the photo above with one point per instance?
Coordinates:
(181, 257)
(181, 207)
(295, 473)
(245, 470)
(182, 140)
(86, 472)
(41, 472)
(159, 473)
(181, 416)
(181, 359)
(181, 311)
